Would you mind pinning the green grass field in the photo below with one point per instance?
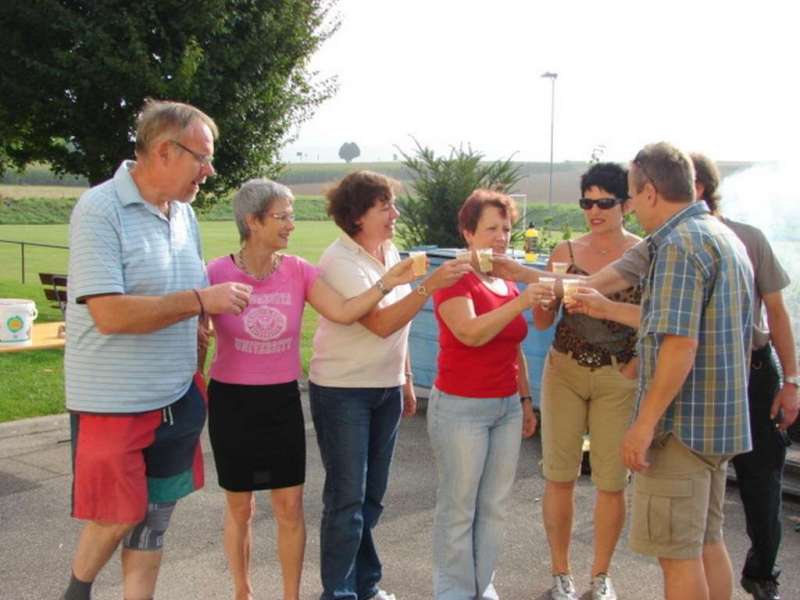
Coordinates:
(32, 382)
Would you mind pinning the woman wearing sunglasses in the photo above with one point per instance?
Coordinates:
(255, 418)
(588, 386)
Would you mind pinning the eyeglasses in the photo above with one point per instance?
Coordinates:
(603, 203)
(203, 159)
(283, 217)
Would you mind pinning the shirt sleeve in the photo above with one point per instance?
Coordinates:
(345, 276)
(95, 265)
(460, 288)
(770, 275)
(676, 297)
(633, 265)
(310, 273)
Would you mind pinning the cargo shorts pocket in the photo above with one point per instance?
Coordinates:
(664, 513)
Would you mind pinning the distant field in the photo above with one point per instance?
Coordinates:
(40, 191)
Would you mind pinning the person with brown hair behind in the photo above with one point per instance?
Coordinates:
(360, 382)
(479, 407)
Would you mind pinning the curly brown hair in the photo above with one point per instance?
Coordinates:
(355, 195)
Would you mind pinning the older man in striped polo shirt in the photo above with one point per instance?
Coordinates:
(694, 345)
(137, 286)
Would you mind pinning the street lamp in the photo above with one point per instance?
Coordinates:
(552, 77)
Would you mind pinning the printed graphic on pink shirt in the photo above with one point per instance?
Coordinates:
(264, 322)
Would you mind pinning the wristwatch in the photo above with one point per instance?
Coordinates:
(793, 379)
(382, 287)
(422, 290)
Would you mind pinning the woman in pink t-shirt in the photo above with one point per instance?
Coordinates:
(255, 418)
(478, 408)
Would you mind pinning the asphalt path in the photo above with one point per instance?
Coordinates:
(37, 537)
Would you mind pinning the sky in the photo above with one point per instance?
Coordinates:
(709, 76)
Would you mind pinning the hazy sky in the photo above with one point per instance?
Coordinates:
(717, 77)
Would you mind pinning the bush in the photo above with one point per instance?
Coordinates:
(439, 186)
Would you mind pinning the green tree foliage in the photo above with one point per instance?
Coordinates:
(73, 75)
(349, 151)
(440, 184)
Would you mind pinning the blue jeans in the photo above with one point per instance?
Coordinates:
(476, 444)
(356, 432)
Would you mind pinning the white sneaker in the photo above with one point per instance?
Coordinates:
(563, 587)
(602, 588)
(383, 595)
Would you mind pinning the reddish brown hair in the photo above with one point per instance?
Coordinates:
(472, 209)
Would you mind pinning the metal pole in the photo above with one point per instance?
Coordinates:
(552, 129)
(22, 250)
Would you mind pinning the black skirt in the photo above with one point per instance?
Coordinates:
(257, 434)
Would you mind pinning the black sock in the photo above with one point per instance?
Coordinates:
(78, 590)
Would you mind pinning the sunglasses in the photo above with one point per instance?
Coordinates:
(603, 203)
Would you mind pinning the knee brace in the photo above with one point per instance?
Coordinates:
(149, 533)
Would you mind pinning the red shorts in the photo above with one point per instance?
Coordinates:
(120, 462)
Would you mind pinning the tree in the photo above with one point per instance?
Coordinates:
(440, 185)
(349, 151)
(74, 74)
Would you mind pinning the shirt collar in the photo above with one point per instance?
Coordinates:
(695, 209)
(126, 187)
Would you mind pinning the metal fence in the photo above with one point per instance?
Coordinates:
(22, 245)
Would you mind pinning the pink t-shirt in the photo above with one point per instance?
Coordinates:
(261, 346)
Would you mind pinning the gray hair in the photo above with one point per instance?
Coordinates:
(669, 170)
(161, 117)
(256, 197)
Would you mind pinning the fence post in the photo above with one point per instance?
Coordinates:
(22, 250)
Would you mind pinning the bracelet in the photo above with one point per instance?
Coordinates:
(409, 375)
(523, 398)
(200, 302)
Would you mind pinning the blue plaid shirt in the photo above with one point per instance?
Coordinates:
(700, 285)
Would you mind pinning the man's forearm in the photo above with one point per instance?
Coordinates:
(780, 327)
(123, 313)
(675, 361)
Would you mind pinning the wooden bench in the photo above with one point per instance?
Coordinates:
(55, 289)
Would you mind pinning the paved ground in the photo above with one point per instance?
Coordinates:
(37, 536)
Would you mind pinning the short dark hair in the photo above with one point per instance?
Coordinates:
(667, 168)
(355, 195)
(707, 173)
(609, 176)
(472, 209)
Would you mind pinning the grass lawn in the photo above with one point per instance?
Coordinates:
(33, 382)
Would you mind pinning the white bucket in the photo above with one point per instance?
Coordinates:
(16, 321)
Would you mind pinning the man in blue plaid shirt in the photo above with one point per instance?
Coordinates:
(694, 347)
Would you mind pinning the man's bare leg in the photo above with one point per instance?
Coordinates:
(684, 579)
(719, 571)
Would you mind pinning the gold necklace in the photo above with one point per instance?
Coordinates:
(274, 262)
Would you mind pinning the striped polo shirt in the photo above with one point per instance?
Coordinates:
(120, 244)
(700, 285)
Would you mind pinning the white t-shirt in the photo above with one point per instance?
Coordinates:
(351, 355)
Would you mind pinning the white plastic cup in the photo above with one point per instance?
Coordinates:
(485, 259)
(420, 264)
(560, 267)
(570, 287)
